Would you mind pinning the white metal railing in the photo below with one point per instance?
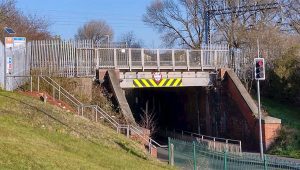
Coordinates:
(159, 59)
(219, 144)
(60, 93)
(82, 58)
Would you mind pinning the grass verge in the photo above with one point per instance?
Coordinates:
(288, 142)
(34, 135)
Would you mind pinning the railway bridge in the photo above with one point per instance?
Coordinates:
(190, 90)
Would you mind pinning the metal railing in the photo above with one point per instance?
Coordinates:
(82, 58)
(193, 155)
(212, 143)
(159, 59)
(60, 93)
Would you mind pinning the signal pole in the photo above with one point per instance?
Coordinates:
(259, 111)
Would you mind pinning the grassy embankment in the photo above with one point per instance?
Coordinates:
(288, 143)
(34, 135)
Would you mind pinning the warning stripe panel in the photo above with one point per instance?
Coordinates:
(172, 82)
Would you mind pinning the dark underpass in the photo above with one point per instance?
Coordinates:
(203, 110)
(182, 108)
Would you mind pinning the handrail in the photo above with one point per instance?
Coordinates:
(61, 88)
(211, 137)
(77, 104)
(111, 120)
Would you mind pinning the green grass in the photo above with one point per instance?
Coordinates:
(34, 135)
(289, 141)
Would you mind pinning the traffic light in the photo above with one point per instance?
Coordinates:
(259, 71)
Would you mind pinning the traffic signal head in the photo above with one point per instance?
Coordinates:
(259, 66)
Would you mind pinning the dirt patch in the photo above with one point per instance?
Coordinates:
(49, 99)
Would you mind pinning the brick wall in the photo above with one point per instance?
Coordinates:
(246, 106)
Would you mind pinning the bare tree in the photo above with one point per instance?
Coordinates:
(31, 27)
(292, 14)
(131, 40)
(148, 120)
(97, 30)
(181, 22)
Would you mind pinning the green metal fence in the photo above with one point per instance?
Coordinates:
(193, 155)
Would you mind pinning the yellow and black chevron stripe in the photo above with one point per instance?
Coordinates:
(171, 82)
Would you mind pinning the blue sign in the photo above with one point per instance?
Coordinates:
(9, 60)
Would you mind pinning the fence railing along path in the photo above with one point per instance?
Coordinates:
(211, 142)
(60, 93)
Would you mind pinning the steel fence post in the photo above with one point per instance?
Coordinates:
(130, 59)
(169, 150)
(150, 146)
(38, 85)
(78, 110)
(53, 91)
(158, 59)
(58, 92)
(96, 110)
(173, 59)
(127, 131)
(194, 155)
(225, 160)
(30, 83)
(188, 59)
(265, 163)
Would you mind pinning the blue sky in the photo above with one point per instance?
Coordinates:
(67, 15)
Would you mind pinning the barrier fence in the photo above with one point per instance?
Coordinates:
(210, 142)
(194, 155)
(82, 58)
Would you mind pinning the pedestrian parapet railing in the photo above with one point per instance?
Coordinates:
(158, 59)
(92, 112)
(209, 142)
(83, 58)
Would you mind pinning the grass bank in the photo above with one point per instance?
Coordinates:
(288, 143)
(34, 135)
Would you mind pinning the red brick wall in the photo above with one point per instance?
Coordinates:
(269, 129)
